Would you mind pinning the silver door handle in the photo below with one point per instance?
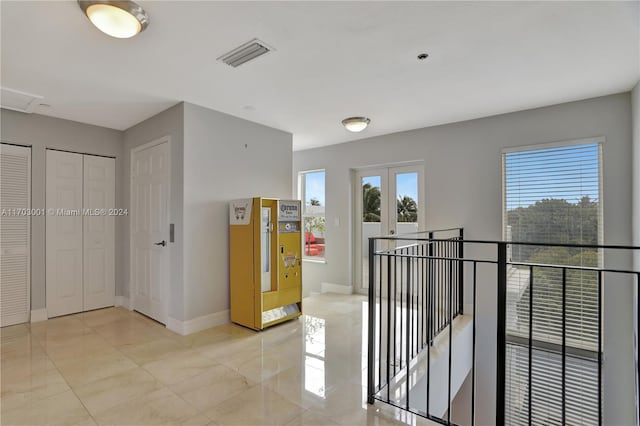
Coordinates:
(161, 243)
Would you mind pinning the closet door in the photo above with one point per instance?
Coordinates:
(64, 233)
(15, 224)
(99, 244)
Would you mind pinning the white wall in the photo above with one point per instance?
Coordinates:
(167, 123)
(463, 181)
(225, 158)
(41, 132)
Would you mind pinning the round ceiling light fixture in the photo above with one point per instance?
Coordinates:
(356, 124)
(119, 19)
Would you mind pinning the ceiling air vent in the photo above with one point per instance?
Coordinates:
(245, 53)
(18, 101)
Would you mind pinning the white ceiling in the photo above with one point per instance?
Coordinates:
(333, 60)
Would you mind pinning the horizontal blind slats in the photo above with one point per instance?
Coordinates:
(553, 195)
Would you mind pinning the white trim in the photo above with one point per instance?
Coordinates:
(38, 315)
(335, 288)
(175, 325)
(409, 163)
(123, 302)
(555, 144)
(198, 324)
(164, 139)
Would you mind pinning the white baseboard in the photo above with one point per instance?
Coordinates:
(38, 315)
(175, 325)
(122, 301)
(335, 288)
(199, 323)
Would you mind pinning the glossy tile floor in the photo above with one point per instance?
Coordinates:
(116, 367)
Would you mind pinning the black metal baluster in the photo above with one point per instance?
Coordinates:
(461, 272)
(370, 348)
(402, 308)
(410, 303)
(450, 339)
(440, 287)
(395, 313)
(408, 331)
(379, 319)
(389, 322)
(600, 346)
(530, 344)
(501, 354)
(564, 346)
(473, 354)
(429, 316)
(416, 284)
(422, 298)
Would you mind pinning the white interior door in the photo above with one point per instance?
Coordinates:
(15, 238)
(99, 232)
(64, 252)
(388, 201)
(149, 230)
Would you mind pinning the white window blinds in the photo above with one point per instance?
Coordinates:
(552, 195)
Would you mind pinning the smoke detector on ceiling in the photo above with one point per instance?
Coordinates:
(19, 101)
(245, 53)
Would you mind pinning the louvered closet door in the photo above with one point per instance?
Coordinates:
(99, 197)
(64, 233)
(15, 194)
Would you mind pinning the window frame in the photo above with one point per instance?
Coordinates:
(302, 183)
(574, 354)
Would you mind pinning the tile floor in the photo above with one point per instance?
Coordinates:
(116, 367)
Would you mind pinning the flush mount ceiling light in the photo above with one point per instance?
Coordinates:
(119, 19)
(356, 124)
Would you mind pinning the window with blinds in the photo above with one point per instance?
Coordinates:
(552, 195)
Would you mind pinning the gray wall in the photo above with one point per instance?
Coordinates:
(225, 158)
(41, 132)
(167, 123)
(463, 181)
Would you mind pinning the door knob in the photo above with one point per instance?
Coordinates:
(161, 243)
(392, 232)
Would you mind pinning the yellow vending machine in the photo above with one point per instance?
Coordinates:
(265, 261)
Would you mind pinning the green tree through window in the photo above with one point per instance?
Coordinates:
(370, 203)
(407, 209)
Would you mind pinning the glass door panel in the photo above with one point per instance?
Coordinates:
(405, 210)
(371, 224)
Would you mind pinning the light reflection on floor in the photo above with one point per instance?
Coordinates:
(113, 366)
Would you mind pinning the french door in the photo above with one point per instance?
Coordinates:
(389, 201)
